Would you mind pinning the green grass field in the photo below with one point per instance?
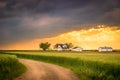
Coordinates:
(87, 65)
(10, 67)
(110, 57)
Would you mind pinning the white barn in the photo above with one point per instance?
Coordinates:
(77, 49)
(105, 49)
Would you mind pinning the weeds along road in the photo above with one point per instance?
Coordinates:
(44, 71)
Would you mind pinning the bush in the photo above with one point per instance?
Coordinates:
(10, 67)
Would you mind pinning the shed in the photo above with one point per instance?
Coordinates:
(77, 49)
(105, 49)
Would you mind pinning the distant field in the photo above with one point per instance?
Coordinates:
(89, 65)
(110, 57)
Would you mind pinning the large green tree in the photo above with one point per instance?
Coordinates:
(44, 46)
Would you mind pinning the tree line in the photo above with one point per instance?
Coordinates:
(45, 45)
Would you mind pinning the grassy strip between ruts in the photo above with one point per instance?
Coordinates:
(86, 70)
(10, 67)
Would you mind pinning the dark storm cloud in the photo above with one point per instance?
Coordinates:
(28, 19)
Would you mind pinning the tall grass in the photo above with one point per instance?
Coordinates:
(85, 68)
(10, 67)
(110, 57)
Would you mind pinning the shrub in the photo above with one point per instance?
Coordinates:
(10, 67)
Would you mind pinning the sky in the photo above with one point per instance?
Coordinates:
(26, 23)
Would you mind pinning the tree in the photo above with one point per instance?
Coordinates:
(45, 46)
(70, 45)
(56, 45)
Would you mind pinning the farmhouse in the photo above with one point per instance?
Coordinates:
(77, 49)
(105, 49)
(61, 47)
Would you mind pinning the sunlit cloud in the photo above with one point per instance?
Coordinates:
(30, 19)
(92, 38)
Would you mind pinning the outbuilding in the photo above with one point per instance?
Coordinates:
(105, 49)
(77, 49)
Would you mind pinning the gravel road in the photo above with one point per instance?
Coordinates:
(44, 71)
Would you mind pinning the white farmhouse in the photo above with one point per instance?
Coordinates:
(105, 49)
(61, 47)
(77, 49)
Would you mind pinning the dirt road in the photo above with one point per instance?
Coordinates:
(45, 71)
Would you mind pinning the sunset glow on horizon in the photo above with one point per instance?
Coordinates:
(87, 39)
(24, 24)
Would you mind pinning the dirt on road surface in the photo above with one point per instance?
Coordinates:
(44, 71)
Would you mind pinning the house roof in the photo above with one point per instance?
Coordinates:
(105, 47)
(63, 46)
(77, 47)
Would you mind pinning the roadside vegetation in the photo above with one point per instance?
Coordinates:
(10, 67)
(88, 66)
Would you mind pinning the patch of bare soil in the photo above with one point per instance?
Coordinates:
(45, 71)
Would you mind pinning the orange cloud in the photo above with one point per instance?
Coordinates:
(88, 39)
